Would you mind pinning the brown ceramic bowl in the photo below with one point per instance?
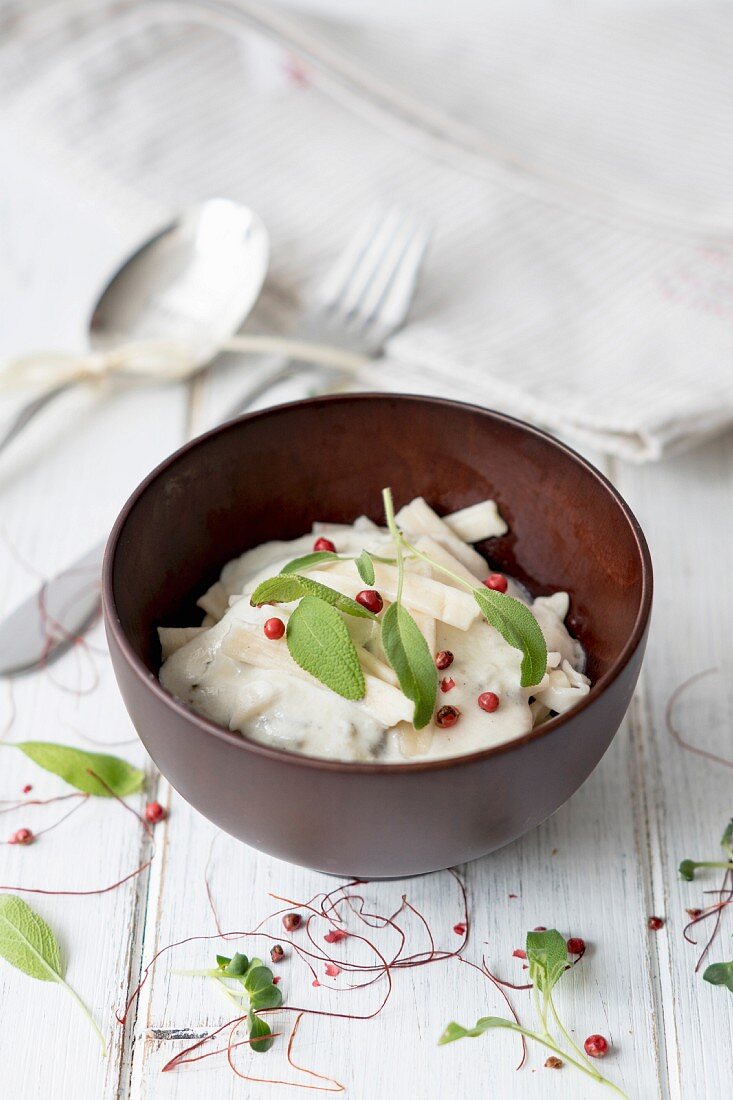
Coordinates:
(269, 475)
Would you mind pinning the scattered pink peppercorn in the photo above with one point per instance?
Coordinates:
(371, 600)
(488, 701)
(447, 717)
(444, 659)
(274, 629)
(315, 983)
(596, 1046)
(154, 813)
(518, 953)
(540, 928)
(553, 1062)
(459, 929)
(447, 684)
(332, 971)
(324, 544)
(694, 913)
(576, 946)
(277, 953)
(291, 921)
(276, 980)
(497, 582)
(22, 836)
(335, 935)
(28, 788)
(654, 924)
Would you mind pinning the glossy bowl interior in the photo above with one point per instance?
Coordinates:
(270, 475)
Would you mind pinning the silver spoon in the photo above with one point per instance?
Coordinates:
(196, 279)
(194, 282)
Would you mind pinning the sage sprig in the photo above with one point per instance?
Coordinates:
(249, 985)
(84, 770)
(547, 956)
(28, 943)
(320, 643)
(403, 642)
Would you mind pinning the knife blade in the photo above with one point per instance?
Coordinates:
(43, 626)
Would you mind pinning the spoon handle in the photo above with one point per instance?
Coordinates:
(29, 411)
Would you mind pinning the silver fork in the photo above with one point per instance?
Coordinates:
(362, 301)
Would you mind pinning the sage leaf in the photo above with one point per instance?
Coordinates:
(365, 567)
(285, 589)
(280, 589)
(720, 974)
(547, 955)
(28, 943)
(456, 1031)
(307, 561)
(74, 765)
(320, 643)
(518, 626)
(259, 1033)
(408, 653)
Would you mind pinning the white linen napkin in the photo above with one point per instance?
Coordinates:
(574, 163)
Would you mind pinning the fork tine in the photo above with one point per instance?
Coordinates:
(338, 276)
(388, 298)
(377, 261)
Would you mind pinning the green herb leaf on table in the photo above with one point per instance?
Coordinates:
(409, 655)
(547, 955)
(456, 1031)
(320, 643)
(720, 974)
(249, 985)
(307, 561)
(518, 626)
(259, 1033)
(236, 966)
(28, 943)
(365, 567)
(286, 588)
(74, 766)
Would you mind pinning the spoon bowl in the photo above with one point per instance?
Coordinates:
(195, 280)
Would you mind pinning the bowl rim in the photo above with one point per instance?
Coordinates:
(152, 683)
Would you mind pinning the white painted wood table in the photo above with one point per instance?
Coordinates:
(598, 869)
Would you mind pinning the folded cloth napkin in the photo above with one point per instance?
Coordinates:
(573, 162)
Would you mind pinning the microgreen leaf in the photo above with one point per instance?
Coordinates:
(285, 589)
(222, 961)
(456, 1031)
(307, 561)
(687, 869)
(75, 765)
(257, 978)
(518, 626)
(409, 655)
(320, 643)
(547, 955)
(720, 974)
(365, 567)
(236, 966)
(27, 942)
(260, 1034)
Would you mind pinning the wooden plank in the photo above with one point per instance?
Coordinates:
(58, 495)
(684, 507)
